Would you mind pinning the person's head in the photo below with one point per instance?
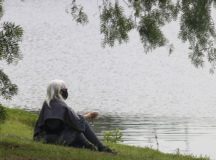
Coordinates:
(56, 90)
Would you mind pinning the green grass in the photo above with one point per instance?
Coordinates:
(16, 144)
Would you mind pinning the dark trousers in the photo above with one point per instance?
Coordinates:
(86, 138)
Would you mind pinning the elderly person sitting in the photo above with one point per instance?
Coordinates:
(59, 124)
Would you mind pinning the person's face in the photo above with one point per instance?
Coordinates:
(64, 93)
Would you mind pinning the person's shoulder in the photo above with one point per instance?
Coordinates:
(44, 104)
(59, 102)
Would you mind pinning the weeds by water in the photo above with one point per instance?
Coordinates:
(113, 136)
(156, 139)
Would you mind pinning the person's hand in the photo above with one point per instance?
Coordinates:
(91, 115)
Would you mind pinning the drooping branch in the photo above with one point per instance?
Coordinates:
(10, 37)
(7, 88)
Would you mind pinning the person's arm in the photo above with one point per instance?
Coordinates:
(90, 115)
(75, 121)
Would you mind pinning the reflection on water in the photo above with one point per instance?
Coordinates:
(173, 133)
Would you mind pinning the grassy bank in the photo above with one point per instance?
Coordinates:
(16, 144)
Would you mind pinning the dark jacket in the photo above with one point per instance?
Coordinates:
(58, 123)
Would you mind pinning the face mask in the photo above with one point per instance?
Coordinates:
(64, 93)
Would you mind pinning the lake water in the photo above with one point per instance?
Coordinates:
(141, 94)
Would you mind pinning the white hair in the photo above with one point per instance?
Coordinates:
(53, 90)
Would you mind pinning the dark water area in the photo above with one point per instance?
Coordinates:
(173, 133)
